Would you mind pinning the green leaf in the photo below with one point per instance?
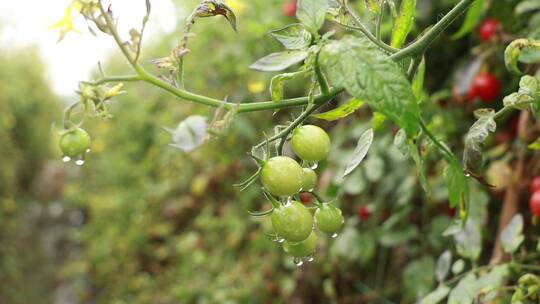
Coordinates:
(535, 145)
(403, 23)
(464, 292)
(469, 240)
(277, 84)
(396, 237)
(514, 51)
(472, 19)
(527, 6)
(311, 13)
(436, 296)
(360, 151)
(456, 182)
(377, 120)
(443, 265)
(400, 141)
(492, 281)
(418, 81)
(279, 61)
(477, 135)
(418, 277)
(366, 72)
(374, 6)
(458, 266)
(345, 109)
(420, 167)
(293, 36)
(511, 236)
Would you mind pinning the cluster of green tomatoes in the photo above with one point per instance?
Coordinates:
(283, 179)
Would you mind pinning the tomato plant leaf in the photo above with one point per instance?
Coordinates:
(436, 296)
(277, 84)
(469, 240)
(472, 19)
(464, 292)
(293, 36)
(477, 135)
(403, 23)
(418, 81)
(419, 161)
(511, 236)
(366, 72)
(345, 109)
(527, 6)
(190, 133)
(456, 182)
(443, 265)
(279, 61)
(514, 51)
(360, 151)
(311, 13)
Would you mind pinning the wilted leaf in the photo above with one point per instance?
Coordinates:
(311, 13)
(514, 50)
(343, 110)
(360, 151)
(511, 236)
(210, 8)
(403, 23)
(277, 84)
(474, 141)
(367, 73)
(293, 36)
(279, 61)
(472, 19)
(190, 133)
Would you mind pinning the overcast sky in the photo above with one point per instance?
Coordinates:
(26, 22)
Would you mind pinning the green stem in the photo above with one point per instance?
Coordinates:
(380, 18)
(300, 119)
(415, 63)
(442, 148)
(420, 46)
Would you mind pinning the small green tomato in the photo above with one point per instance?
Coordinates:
(329, 219)
(301, 249)
(309, 179)
(282, 176)
(292, 221)
(310, 143)
(75, 143)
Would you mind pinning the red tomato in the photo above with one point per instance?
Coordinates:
(535, 184)
(305, 198)
(486, 87)
(364, 212)
(488, 29)
(289, 9)
(534, 204)
(451, 212)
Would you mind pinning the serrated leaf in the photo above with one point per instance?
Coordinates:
(293, 36)
(474, 141)
(437, 295)
(190, 133)
(366, 72)
(511, 236)
(472, 19)
(469, 240)
(360, 151)
(311, 13)
(403, 23)
(345, 109)
(279, 61)
(277, 84)
(443, 266)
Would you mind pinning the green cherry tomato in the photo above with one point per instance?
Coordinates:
(292, 221)
(302, 249)
(309, 179)
(282, 176)
(329, 219)
(75, 143)
(310, 143)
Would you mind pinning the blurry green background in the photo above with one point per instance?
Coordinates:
(142, 222)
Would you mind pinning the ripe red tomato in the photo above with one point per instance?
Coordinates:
(289, 9)
(535, 184)
(364, 212)
(305, 198)
(534, 204)
(488, 29)
(486, 87)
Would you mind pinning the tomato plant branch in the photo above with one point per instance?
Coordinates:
(420, 46)
(450, 156)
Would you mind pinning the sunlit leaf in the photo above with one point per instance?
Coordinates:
(277, 84)
(360, 151)
(343, 110)
(469, 240)
(279, 61)
(404, 23)
(311, 13)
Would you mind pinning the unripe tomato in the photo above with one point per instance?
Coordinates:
(535, 184)
(289, 9)
(364, 212)
(534, 204)
(488, 29)
(309, 179)
(329, 219)
(292, 221)
(486, 87)
(282, 176)
(301, 249)
(310, 143)
(75, 143)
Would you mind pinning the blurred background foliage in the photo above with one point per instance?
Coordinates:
(142, 222)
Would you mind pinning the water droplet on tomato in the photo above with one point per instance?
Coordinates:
(298, 261)
(314, 165)
(88, 150)
(310, 258)
(334, 235)
(66, 158)
(79, 162)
